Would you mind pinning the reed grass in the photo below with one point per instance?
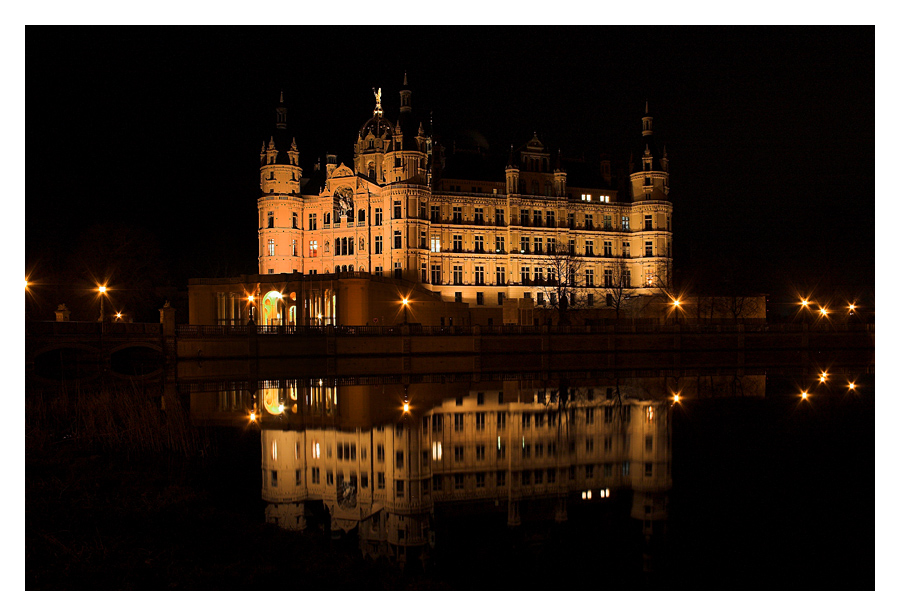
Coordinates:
(126, 421)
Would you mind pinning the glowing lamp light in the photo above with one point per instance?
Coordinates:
(252, 416)
(851, 385)
(119, 315)
(676, 303)
(405, 301)
(281, 408)
(822, 377)
(804, 395)
(320, 316)
(249, 298)
(406, 407)
(676, 398)
(102, 289)
(584, 496)
(824, 312)
(589, 495)
(804, 303)
(26, 283)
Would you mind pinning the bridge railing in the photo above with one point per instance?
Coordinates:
(90, 328)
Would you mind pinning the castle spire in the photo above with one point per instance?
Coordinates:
(647, 121)
(281, 113)
(405, 96)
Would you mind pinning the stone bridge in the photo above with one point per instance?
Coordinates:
(94, 343)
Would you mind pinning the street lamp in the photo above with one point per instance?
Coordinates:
(102, 290)
(676, 306)
(405, 303)
(250, 308)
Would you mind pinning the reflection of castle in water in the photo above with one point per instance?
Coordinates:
(382, 470)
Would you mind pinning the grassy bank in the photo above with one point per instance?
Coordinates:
(118, 500)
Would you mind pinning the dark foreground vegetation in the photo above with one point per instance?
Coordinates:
(122, 495)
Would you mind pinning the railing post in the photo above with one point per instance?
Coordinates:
(169, 342)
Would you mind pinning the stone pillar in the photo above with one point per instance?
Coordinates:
(62, 313)
(169, 345)
(167, 318)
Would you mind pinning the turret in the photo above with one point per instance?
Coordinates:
(279, 206)
(405, 97)
(512, 174)
(559, 177)
(649, 172)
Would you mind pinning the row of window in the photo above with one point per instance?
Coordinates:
(526, 218)
(526, 477)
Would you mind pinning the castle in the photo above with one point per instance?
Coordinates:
(524, 240)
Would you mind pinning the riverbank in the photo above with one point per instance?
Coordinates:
(101, 515)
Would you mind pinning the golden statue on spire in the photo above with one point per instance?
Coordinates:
(377, 93)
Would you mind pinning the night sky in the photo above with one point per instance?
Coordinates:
(155, 133)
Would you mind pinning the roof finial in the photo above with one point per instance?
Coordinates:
(647, 107)
(404, 79)
(378, 110)
(281, 98)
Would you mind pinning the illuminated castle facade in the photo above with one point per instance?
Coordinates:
(398, 212)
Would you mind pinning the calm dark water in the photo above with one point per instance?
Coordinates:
(589, 481)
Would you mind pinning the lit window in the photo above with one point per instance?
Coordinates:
(271, 248)
(436, 451)
(313, 248)
(316, 450)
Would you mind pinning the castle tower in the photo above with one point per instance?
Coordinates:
(650, 180)
(651, 213)
(279, 204)
(410, 146)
